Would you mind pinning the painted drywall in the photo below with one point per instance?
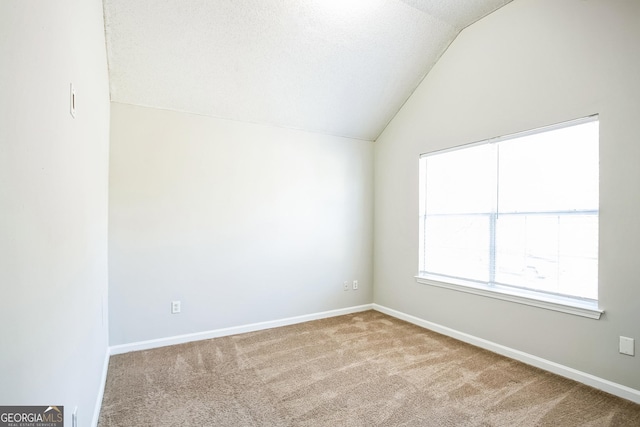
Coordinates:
(335, 67)
(242, 223)
(529, 64)
(53, 204)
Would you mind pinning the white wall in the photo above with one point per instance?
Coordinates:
(53, 204)
(242, 223)
(531, 63)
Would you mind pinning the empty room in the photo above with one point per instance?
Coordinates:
(320, 213)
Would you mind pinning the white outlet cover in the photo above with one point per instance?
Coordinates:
(175, 307)
(627, 346)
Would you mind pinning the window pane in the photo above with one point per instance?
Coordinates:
(461, 181)
(578, 253)
(456, 245)
(551, 253)
(550, 171)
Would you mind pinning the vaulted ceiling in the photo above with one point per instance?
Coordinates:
(340, 67)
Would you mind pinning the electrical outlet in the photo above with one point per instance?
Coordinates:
(175, 307)
(626, 346)
(355, 285)
(345, 285)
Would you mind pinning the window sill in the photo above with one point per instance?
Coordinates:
(521, 296)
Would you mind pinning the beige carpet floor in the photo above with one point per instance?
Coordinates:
(364, 369)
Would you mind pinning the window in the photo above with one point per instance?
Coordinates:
(516, 217)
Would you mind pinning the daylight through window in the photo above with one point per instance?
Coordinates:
(515, 212)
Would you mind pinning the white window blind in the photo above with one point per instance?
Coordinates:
(515, 212)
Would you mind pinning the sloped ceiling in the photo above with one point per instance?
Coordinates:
(340, 67)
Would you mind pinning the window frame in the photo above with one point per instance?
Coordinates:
(567, 304)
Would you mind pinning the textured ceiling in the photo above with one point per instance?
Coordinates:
(340, 67)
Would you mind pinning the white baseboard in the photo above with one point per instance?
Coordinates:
(103, 383)
(216, 333)
(556, 368)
